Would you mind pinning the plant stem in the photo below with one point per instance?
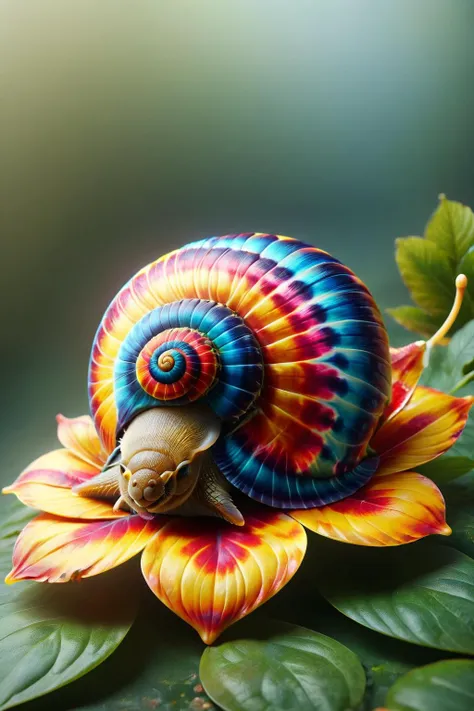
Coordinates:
(464, 381)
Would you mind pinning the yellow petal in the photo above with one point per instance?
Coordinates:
(390, 510)
(211, 573)
(78, 434)
(46, 485)
(425, 428)
(407, 366)
(53, 550)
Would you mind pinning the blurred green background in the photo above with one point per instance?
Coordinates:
(129, 128)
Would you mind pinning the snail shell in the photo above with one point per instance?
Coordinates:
(282, 342)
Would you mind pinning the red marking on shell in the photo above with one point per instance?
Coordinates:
(273, 442)
(296, 348)
(319, 381)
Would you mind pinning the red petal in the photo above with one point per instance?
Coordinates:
(211, 573)
(46, 485)
(407, 366)
(428, 426)
(53, 550)
(79, 436)
(390, 510)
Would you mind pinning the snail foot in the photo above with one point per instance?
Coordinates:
(211, 495)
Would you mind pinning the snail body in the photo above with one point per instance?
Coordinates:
(250, 362)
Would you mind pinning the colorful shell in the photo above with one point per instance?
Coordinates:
(284, 343)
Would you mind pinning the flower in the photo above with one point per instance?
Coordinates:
(207, 571)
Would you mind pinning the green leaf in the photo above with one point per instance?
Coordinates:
(449, 367)
(445, 469)
(443, 686)
(464, 447)
(451, 228)
(468, 367)
(447, 371)
(466, 266)
(17, 516)
(438, 373)
(155, 668)
(427, 274)
(422, 593)
(460, 509)
(416, 320)
(282, 667)
(429, 266)
(384, 659)
(53, 634)
(460, 354)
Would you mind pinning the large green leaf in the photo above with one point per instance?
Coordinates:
(429, 265)
(427, 274)
(460, 508)
(445, 469)
(438, 373)
(155, 668)
(53, 634)
(464, 447)
(466, 266)
(443, 686)
(448, 369)
(384, 659)
(415, 319)
(281, 667)
(460, 353)
(15, 517)
(451, 227)
(422, 593)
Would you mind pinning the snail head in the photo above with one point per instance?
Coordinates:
(160, 456)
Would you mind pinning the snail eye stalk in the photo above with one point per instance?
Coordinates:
(461, 284)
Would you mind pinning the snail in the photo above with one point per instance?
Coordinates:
(249, 364)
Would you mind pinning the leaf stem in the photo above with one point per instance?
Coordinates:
(464, 381)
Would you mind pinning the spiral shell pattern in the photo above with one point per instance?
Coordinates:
(176, 362)
(167, 358)
(284, 343)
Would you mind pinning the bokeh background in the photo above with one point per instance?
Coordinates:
(129, 128)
